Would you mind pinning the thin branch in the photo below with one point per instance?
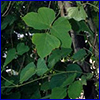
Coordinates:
(46, 76)
(91, 5)
(8, 81)
(49, 4)
(21, 66)
(7, 9)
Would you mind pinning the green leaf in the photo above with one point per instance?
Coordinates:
(27, 72)
(41, 20)
(36, 95)
(60, 30)
(10, 56)
(3, 6)
(57, 55)
(45, 86)
(69, 80)
(7, 83)
(74, 68)
(84, 27)
(22, 48)
(77, 13)
(13, 95)
(83, 80)
(8, 20)
(45, 43)
(41, 67)
(57, 80)
(80, 26)
(74, 90)
(58, 93)
(89, 76)
(79, 55)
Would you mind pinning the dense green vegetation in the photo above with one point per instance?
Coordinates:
(49, 49)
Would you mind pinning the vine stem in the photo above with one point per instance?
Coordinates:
(91, 5)
(16, 85)
(8, 81)
(6, 9)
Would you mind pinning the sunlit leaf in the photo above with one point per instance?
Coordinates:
(60, 30)
(40, 20)
(45, 43)
(77, 13)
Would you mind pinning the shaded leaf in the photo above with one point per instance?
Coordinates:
(45, 86)
(74, 68)
(41, 67)
(45, 43)
(57, 80)
(69, 80)
(60, 30)
(74, 90)
(3, 6)
(9, 83)
(57, 55)
(83, 80)
(27, 72)
(22, 48)
(89, 76)
(36, 95)
(10, 56)
(8, 20)
(16, 95)
(58, 93)
(79, 55)
(80, 26)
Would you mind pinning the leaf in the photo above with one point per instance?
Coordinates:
(45, 43)
(57, 80)
(45, 86)
(60, 30)
(69, 80)
(22, 48)
(15, 95)
(80, 26)
(86, 77)
(77, 13)
(57, 55)
(41, 20)
(3, 6)
(9, 83)
(74, 68)
(83, 80)
(27, 72)
(79, 55)
(10, 56)
(36, 95)
(8, 20)
(84, 27)
(74, 90)
(58, 93)
(41, 67)
(89, 76)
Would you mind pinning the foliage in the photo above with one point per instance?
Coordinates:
(37, 54)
